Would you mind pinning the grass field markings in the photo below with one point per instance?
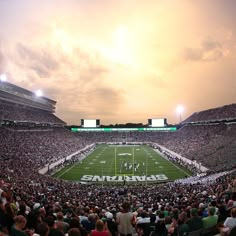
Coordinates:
(80, 162)
(177, 167)
(139, 157)
(120, 159)
(110, 169)
(86, 168)
(90, 163)
(66, 170)
(133, 160)
(115, 161)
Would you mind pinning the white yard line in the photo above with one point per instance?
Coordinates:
(173, 164)
(178, 167)
(133, 160)
(74, 165)
(67, 170)
(110, 169)
(115, 162)
(170, 162)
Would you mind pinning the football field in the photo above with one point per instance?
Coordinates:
(119, 163)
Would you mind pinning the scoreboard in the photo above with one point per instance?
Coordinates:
(90, 123)
(157, 122)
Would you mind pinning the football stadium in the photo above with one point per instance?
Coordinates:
(54, 175)
(118, 118)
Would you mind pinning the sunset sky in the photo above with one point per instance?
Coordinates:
(122, 60)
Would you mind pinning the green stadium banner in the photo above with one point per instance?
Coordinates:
(123, 129)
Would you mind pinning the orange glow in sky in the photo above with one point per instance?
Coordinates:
(122, 61)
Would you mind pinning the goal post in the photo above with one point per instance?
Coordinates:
(116, 163)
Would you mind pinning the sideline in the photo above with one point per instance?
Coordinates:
(175, 165)
(66, 170)
(49, 166)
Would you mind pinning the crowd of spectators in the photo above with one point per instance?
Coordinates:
(199, 143)
(62, 206)
(23, 153)
(36, 149)
(20, 113)
(34, 203)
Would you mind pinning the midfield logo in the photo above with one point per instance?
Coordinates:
(125, 154)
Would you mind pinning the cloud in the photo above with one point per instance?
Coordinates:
(78, 81)
(37, 59)
(2, 61)
(210, 50)
(98, 101)
(105, 97)
(158, 82)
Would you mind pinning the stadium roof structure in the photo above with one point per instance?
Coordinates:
(6, 84)
(223, 113)
(15, 94)
(20, 106)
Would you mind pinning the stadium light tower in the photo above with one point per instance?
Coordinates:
(39, 93)
(179, 111)
(3, 77)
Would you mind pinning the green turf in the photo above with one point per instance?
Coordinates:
(109, 160)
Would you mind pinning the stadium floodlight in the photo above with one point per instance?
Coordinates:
(3, 77)
(179, 111)
(39, 93)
